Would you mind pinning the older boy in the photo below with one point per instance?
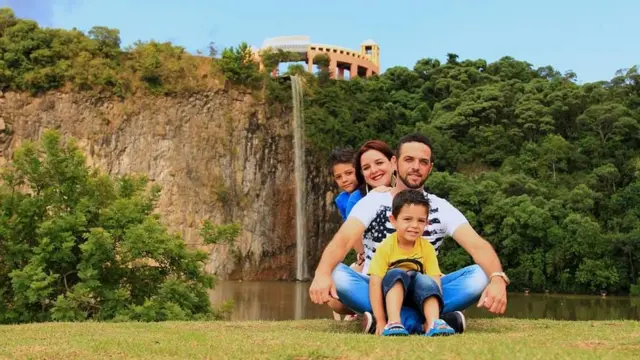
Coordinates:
(344, 174)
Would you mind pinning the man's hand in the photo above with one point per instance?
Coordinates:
(494, 296)
(322, 289)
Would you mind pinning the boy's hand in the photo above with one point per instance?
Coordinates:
(380, 327)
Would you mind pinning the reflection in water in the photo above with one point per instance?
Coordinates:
(269, 300)
(279, 300)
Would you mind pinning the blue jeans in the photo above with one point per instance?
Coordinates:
(460, 289)
(417, 288)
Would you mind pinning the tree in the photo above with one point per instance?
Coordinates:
(107, 40)
(554, 152)
(78, 245)
(239, 66)
(452, 59)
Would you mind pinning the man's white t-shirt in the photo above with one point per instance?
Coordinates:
(374, 210)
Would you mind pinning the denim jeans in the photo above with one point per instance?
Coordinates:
(417, 288)
(460, 289)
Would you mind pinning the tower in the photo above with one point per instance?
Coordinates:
(371, 50)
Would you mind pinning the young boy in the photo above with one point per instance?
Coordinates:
(404, 269)
(344, 174)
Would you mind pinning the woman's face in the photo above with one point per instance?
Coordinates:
(376, 168)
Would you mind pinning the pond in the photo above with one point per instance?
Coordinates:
(282, 300)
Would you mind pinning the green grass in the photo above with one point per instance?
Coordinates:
(319, 339)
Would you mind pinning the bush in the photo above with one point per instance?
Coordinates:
(238, 65)
(78, 245)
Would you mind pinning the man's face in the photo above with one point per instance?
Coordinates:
(414, 164)
(345, 177)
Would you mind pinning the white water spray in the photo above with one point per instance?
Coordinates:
(298, 138)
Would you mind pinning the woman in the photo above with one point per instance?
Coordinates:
(374, 168)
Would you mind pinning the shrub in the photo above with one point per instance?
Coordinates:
(78, 245)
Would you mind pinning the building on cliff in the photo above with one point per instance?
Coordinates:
(363, 63)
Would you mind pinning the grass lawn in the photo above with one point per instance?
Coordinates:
(319, 339)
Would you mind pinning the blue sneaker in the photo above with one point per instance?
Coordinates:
(440, 328)
(394, 329)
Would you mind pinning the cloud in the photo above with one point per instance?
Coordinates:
(38, 10)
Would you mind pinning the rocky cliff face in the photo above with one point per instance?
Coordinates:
(216, 155)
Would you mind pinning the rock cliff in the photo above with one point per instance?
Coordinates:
(217, 156)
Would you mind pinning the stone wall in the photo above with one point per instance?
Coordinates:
(216, 155)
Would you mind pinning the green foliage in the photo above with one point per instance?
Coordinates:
(271, 58)
(239, 66)
(38, 59)
(545, 169)
(77, 245)
(296, 69)
(220, 234)
(322, 60)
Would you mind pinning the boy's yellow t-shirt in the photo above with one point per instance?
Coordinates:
(422, 258)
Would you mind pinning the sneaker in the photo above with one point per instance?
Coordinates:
(368, 323)
(440, 328)
(455, 320)
(394, 329)
(351, 317)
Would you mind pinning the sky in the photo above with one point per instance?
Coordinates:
(593, 38)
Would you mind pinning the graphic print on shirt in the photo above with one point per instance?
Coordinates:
(377, 231)
(434, 231)
(381, 227)
(409, 264)
(374, 210)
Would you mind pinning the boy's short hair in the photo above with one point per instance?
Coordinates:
(408, 197)
(341, 156)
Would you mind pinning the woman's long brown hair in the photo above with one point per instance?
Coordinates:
(378, 145)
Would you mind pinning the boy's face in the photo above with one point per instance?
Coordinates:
(410, 222)
(345, 177)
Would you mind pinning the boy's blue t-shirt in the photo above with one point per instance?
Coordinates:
(353, 200)
(341, 202)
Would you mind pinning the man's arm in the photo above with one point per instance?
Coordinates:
(495, 295)
(346, 238)
(322, 288)
(480, 249)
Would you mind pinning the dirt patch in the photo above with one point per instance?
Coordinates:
(591, 344)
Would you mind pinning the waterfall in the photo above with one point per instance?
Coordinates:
(299, 168)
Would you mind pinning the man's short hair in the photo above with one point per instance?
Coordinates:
(408, 197)
(341, 156)
(414, 137)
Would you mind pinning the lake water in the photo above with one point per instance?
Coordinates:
(282, 300)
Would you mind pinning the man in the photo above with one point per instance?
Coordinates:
(368, 222)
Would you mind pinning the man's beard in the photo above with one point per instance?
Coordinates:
(411, 186)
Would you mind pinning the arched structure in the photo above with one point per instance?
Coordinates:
(363, 63)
